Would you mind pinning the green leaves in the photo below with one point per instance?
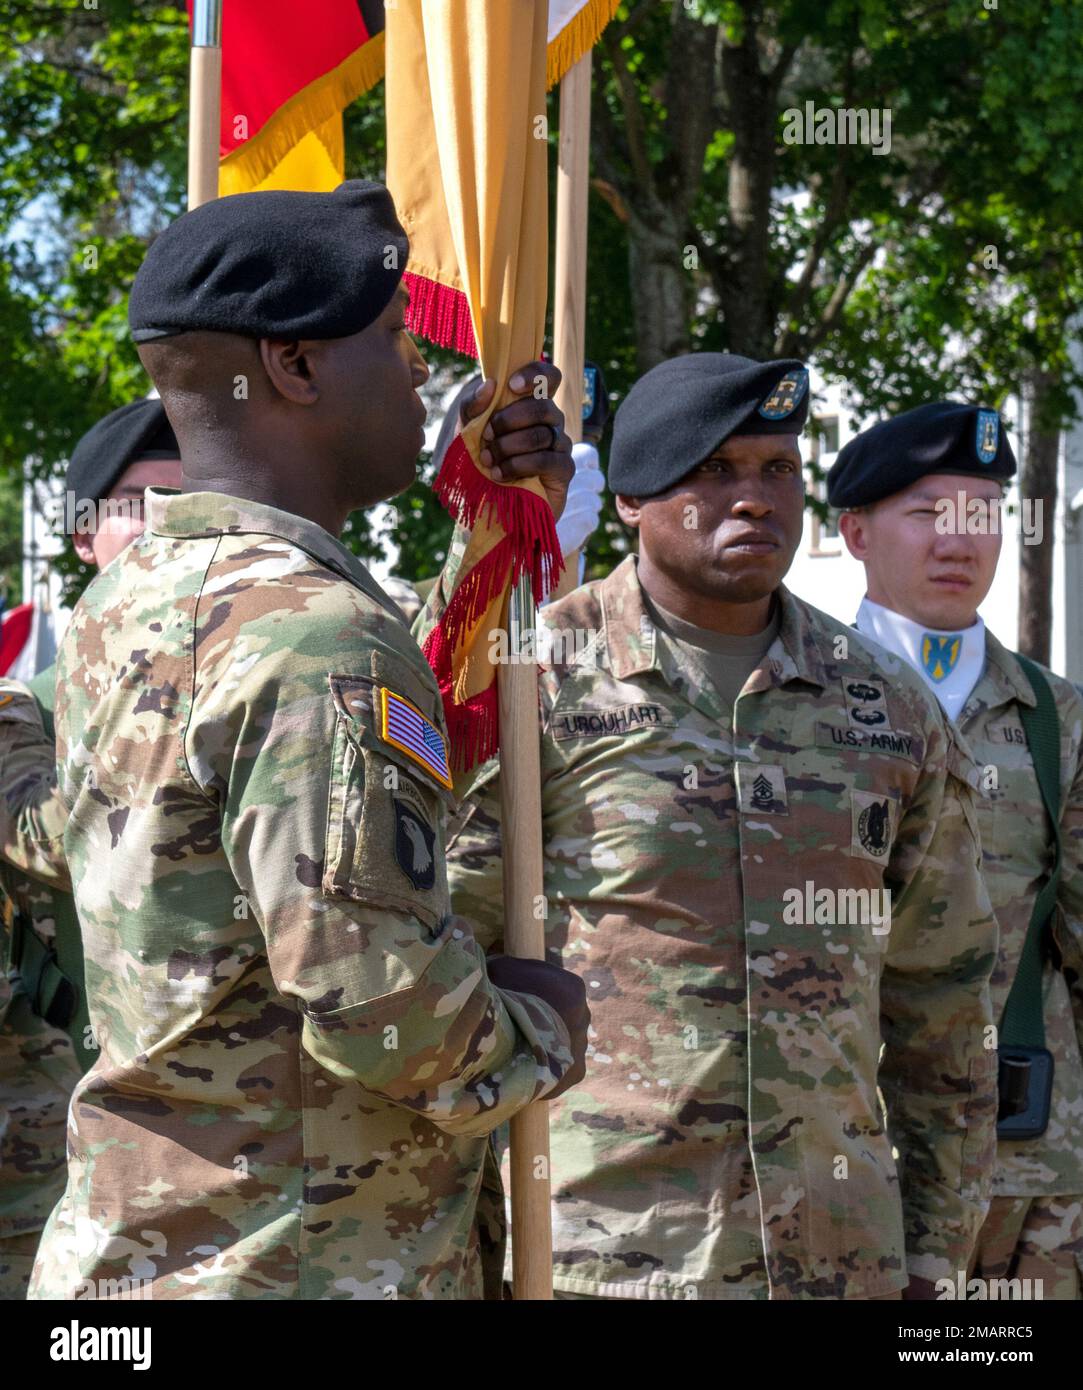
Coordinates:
(875, 264)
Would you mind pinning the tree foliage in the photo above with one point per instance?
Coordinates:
(708, 228)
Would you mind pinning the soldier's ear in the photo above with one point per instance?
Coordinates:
(629, 510)
(289, 369)
(853, 530)
(83, 545)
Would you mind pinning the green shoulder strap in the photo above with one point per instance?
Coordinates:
(1023, 1023)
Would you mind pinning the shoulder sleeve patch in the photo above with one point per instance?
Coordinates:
(387, 805)
(401, 724)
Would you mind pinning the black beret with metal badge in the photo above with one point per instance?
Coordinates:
(941, 437)
(678, 413)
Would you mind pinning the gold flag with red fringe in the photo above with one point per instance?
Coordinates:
(467, 156)
(439, 308)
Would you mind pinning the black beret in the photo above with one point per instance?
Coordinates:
(136, 431)
(676, 415)
(279, 264)
(942, 437)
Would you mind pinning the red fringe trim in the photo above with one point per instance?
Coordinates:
(473, 727)
(529, 544)
(439, 313)
(525, 518)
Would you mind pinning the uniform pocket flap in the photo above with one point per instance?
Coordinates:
(385, 720)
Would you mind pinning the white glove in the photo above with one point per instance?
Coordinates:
(584, 505)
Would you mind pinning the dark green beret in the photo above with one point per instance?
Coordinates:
(942, 437)
(676, 415)
(136, 431)
(279, 264)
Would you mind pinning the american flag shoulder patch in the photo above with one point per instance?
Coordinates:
(406, 728)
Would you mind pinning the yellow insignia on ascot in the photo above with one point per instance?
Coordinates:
(404, 726)
(939, 655)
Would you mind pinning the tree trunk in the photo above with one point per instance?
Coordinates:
(659, 284)
(751, 100)
(658, 171)
(1038, 482)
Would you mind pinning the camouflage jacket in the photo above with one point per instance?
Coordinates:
(1017, 856)
(32, 814)
(728, 1140)
(39, 1064)
(301, 1053)
(34, 874)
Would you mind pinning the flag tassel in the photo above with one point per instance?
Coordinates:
(530, 533)
(473, 725)
(529, 543)
(439, 313)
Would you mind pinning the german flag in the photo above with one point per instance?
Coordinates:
(289, 69)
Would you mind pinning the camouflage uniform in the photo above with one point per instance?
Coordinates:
(1036, 1216)
(32, 816)
(728, 1141)
(301, 1053)
(39, 1063)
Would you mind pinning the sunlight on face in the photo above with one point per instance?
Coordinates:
(930, 551)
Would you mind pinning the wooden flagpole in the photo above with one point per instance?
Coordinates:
(524, 935)
(524, 932)
(205, 102)
(570, 267)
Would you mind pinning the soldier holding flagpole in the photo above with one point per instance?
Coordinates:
(322, 963)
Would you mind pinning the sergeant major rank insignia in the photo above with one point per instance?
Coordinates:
(406, 728)
(761, 788)
(987, 435)
(939, 654)
(787, 395)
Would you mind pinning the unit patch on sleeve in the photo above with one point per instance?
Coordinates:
(872, 825)
(415, 838)
(404, 726)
